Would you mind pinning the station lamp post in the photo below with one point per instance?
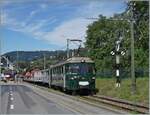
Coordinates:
(17, 61)
(44, 61)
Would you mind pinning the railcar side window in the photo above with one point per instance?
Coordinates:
(67, 68)
(62, 69)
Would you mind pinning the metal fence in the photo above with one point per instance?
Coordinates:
(124, 73)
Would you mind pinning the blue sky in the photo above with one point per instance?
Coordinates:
(46, 24)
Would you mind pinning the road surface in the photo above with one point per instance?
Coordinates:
(27, 99)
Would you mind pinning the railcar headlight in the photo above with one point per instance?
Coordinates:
(72, 78)
(75, 77)
(93, 77)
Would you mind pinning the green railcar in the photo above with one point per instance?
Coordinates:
(74, 74)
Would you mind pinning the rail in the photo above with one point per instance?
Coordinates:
(119, 103)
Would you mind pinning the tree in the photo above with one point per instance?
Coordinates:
(102, 34)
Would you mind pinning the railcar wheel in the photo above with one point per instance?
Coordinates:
(74, 93)
(64, 89)
(49, 86)
(93, 92)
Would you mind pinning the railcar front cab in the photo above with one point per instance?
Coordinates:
(80, 75)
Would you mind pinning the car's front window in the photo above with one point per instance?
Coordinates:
(81, 68)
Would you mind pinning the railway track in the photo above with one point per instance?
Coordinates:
(118, 103)
(107, 101)
(78, 98)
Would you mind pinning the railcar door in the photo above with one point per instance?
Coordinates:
(64, 78)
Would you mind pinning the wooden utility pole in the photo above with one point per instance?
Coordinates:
(44, 60)
(132, 50)
(67, 48)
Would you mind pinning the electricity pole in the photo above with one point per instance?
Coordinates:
(17, 61)
(132, 50)
(44, 61)
(68, 48)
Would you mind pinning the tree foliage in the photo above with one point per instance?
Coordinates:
(102, 35)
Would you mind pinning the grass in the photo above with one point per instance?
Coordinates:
(107, 87)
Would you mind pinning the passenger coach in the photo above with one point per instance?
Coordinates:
(74, 74)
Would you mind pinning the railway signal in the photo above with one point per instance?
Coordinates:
(117, 52)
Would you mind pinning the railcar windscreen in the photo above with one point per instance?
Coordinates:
(82, 68)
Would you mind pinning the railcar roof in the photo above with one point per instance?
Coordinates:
(79, 59)
(74, 60)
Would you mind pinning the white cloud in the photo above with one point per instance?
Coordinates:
(33, 12)
(73, 29)
(43, 6)
(104, 7)
(76, 28)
